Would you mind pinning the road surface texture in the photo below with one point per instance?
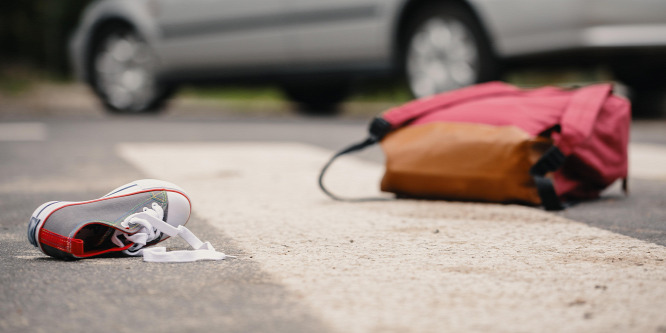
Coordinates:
(307, 263)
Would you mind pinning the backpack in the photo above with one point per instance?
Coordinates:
(495, 142)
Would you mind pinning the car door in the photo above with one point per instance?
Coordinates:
(221, 36)
(530, 26)
(624, 22)
(546, 26)
(336, 31)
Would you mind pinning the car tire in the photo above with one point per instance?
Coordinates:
(317, 98)
(445, 48)
(121, 71)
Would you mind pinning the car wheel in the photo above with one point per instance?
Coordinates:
(320, 98)
(122, 72)
(444, 48)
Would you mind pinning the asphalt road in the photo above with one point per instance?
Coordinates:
(70, 154)
(641, 214)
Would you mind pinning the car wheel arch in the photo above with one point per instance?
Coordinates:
(92, 42)
(107, 13)
(98, 35)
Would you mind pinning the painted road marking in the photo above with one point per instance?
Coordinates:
(28, 131)
(412, 266)
(647, 161)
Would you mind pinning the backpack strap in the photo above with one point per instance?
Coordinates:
(401, 115)
(377, 130)
(575, 126)
(550, 161)
(580, 115)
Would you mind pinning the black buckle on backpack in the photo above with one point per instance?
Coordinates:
(551, 160)
(378, 128)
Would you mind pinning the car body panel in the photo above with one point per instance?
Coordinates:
(336, 31)
(518, 26)
(210, 34)
(218, 38)
(524, 27)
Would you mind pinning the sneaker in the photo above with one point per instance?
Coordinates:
(127, 219)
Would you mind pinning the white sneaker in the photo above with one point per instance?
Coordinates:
(127, 219)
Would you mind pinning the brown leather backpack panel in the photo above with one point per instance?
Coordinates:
(462, 161)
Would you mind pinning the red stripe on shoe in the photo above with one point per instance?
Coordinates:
(70, 245)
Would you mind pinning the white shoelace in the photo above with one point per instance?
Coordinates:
(152, 227)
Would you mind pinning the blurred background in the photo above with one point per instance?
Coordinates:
(34, 36)
(351, 57)
(255, 93)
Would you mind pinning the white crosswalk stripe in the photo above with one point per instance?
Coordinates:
(412, 266)
(647, 161)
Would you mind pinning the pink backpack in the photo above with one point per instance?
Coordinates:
(586, 130)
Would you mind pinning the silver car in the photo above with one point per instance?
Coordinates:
(134, 53)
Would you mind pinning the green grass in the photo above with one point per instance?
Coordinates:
(13, 86)
(390, 92)
(233, 93)
(372, 92)
(19, 80)
(558, 77)
(397, 92)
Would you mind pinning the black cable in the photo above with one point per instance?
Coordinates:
(368, 142)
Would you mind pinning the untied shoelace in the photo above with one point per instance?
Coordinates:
(152, 227)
